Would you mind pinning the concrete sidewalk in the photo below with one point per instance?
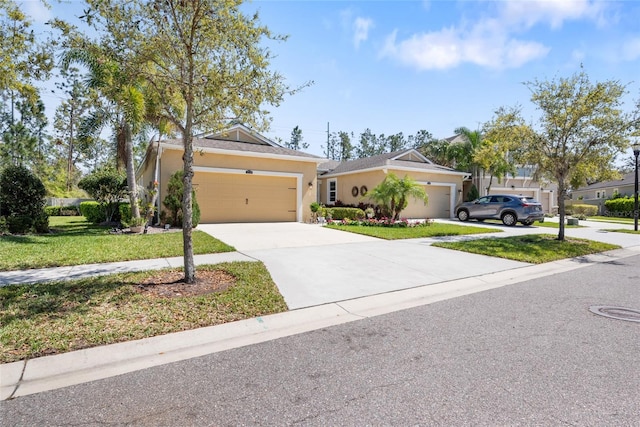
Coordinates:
(52, 372)
(41, 275)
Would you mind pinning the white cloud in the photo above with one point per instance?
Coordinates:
(551, 12)
(451, 47)
(490, 41)
(361, 27)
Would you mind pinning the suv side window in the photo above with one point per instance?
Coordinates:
(484, 200)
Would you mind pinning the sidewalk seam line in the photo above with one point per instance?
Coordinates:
(24, 368)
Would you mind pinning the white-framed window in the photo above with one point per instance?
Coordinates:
(332, 191)
(598, 195)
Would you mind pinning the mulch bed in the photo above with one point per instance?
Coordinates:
(170, 284)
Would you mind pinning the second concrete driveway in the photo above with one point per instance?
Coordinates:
(313, 265)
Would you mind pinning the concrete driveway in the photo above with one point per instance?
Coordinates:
(313, 265)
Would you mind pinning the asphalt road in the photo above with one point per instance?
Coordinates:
(525, 354)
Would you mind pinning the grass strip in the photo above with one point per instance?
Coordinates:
(44, 319)
(74, 241)
(533, 248)
(394, 233)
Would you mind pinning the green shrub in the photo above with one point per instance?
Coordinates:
(62, 210)
(19, 224)
(3, 225)
(584, 210)
(41, 223)
(622, 206)
(125, 212)
(314, 207)
(173, 201)
(108, 187)
(21, 192)
(346, 213)
(92, 211)
(472, 194)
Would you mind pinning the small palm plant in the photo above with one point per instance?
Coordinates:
(393, 194)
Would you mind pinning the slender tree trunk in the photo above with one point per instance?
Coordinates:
(70, 151)
(561, 191)
(131, 173)
(187, 207)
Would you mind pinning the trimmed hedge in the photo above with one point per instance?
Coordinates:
(584, 210)
(92, 211)
(622, 206)
(346, 213)
(62, 210)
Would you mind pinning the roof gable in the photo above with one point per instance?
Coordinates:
(408, 158)
(241, 133)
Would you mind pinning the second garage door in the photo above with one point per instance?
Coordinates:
(437, 207)
(245, 198)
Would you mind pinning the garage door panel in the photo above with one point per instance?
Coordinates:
(437, 207)
(245, 198)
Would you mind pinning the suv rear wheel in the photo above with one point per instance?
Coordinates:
(463, 215)
(509, 219)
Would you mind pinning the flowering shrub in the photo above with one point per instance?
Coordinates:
(383, 222)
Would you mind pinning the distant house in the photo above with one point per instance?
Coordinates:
(349, 181)
(596, 194)
(520, 183)
(523, 183)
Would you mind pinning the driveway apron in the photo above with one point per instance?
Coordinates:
(313, 265)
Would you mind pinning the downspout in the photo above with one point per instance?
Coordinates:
(156, 177)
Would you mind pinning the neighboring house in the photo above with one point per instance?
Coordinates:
(349, 181)
(522, 183)
(240, 176)
(596, 194)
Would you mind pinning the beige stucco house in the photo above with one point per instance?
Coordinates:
(523, 183)
(597, 193)
(240, 176)
(349, 182)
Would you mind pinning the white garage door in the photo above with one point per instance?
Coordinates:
(437, 207)
(245, 198)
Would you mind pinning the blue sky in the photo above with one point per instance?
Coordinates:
(402, 66)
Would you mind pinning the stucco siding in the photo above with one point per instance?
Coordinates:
(262, 180)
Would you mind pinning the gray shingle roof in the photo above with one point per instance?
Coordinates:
(625, 180)
(241, 146)
(385, 159)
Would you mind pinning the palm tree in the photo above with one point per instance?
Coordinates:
(393, 194)
(124, 108)
(463, 153)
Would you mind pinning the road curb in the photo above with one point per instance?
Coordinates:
(52, 372)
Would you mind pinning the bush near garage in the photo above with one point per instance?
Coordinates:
(621, 207)
(383, 222)
(173, 201)
(340, 213)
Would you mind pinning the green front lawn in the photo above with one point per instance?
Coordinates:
(75, 241)
(44, 319)
(532, 248)
(393, 233)
(611, 219)
(620, 230)
(555, 225)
